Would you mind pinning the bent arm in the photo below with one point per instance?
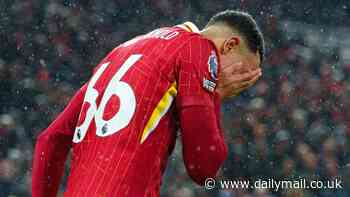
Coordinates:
(198, 106)
(204, 148)
(52, 147)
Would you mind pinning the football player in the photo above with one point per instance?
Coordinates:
(122, 124)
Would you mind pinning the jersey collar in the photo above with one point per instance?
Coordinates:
(189, 26)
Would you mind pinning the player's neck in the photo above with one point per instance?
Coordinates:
(217, 30)
(216, 33)
(212, 34)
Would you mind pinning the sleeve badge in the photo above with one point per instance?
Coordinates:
(209, 85)
(213, 65)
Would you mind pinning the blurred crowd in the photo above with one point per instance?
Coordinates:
(292, 124)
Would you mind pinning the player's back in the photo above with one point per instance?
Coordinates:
(126, 128)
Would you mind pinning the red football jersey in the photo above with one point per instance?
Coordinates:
(122, 123)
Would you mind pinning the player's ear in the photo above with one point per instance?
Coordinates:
(230, 44)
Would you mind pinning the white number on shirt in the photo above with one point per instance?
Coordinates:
(115, 87)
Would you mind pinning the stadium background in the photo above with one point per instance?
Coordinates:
(294, 123)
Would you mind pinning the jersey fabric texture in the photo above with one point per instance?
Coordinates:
(122, 124)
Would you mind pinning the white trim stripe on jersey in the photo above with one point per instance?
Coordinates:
(189, 26)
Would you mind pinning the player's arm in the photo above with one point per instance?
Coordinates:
(52, 147)
(204, 148)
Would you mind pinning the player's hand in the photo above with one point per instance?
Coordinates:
(235, 78)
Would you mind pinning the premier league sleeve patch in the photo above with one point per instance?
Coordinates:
(209, 85)
(213, 65)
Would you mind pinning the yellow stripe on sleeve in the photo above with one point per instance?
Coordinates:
(160, 110)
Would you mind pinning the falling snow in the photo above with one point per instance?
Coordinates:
(294, 123)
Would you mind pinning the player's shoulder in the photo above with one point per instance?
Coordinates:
(190, 31)
(199, 52)
(188, 27)
(193, 40)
